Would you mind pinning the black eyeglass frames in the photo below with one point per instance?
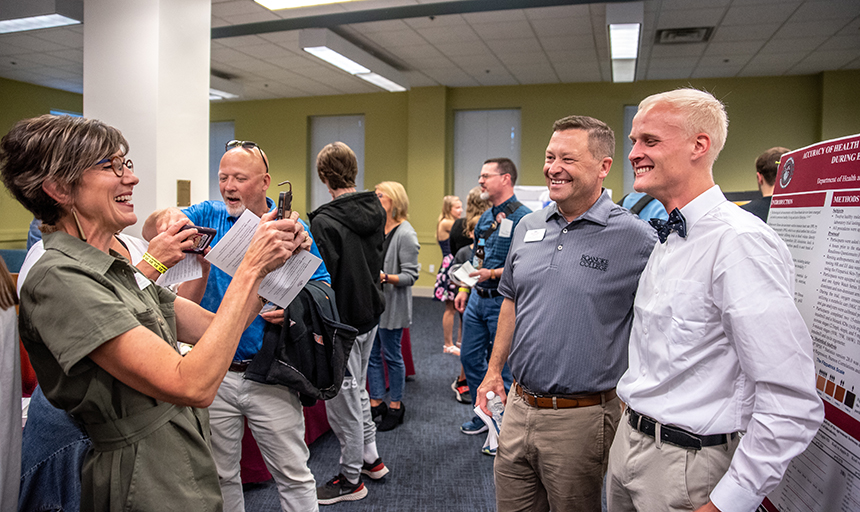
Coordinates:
(247, 144)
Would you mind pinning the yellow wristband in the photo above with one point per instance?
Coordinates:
(157, 265)
(464, 289)
(492, 273)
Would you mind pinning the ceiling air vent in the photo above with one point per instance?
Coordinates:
(684, 35)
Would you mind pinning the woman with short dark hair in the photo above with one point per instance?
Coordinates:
(103, 338)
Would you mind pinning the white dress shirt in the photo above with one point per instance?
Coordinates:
(718, 346)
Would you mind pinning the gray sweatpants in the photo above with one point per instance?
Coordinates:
(349, 412)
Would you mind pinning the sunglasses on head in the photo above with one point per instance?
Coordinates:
(247, 144)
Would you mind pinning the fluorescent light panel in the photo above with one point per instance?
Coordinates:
(337, 51)
(274, 5)
(381, 81)
(337, 60)
(624, 40)
(624, 21)
(36, 22)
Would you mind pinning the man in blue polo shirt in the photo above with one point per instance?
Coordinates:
(492, 241)
(274, 413)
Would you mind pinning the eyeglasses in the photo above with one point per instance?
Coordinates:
(247, 144)
(485, 176)
(117, 165)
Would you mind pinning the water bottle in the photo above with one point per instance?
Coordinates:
(496, 407)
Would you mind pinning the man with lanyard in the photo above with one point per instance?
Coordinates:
(492, 241)
(274, 413)
(568, 287)
(717, 346)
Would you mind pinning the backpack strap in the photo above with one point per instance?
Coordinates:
(641, 204)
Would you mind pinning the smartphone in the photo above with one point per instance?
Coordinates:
(201, 240)
(285, 201)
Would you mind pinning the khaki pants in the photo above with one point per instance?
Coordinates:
(645, 477)
(553, 459)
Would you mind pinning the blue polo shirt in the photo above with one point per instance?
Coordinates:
(213, 214)
(496, 246)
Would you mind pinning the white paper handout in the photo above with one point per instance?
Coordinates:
(280, 286)
(462, 274)
(187, 269)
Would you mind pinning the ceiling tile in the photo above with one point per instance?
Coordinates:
(806, 44)
(288, 37)
(514, 45)
(372, 27)
(451, 77)
(396, 39)
(462, 49)
(226, 55)
(734, 48)
(503, 30)
(266, 51)
(567, 11)
(572, 56)
(449, 34)
(687, 63)
(417, 52)
(668, 74)
(289, 61)
(237, 7)
(716, 72)
(761, 14)
(735, 62)
(851, 42)
(568, 42)
(509, 15)
(678, 50)
(64, 36)
(493, 80)
(744, 33)
(31, 43)
(829, 10)
(689, 18)
(470, 63)
(587, 72)
(809, 29)
(449, 20)
(239, 41)
(686, 4)
(777, 63)
(558, 27)
(419, 79)
(532, 58)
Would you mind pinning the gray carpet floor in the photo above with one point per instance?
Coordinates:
(434, 467)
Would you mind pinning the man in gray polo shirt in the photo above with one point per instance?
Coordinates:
(568, 286)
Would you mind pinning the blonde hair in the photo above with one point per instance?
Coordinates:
(703, 113)
(447, 207)
(475, 206)
(399, 199)
(8, 296)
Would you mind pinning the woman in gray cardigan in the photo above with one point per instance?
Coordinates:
(399, 272)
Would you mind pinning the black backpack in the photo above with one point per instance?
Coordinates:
(309, 352)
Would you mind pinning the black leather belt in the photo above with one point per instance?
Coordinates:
(239, 366)
(542, 401)
(675, 435)
(485, 293)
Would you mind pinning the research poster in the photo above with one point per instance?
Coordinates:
(816, 210)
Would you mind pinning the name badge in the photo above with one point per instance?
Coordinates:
(534, 235)
(505, 228)
(142, 281)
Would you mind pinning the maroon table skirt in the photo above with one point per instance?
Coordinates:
(316, 424)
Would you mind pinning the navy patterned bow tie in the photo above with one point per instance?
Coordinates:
(676, 222)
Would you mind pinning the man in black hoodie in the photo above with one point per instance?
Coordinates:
(349, 232)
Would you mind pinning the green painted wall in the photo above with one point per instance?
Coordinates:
(21, 101)
(408, 136)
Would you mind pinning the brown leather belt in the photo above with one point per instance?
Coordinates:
(563, 401)
(239, 366)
